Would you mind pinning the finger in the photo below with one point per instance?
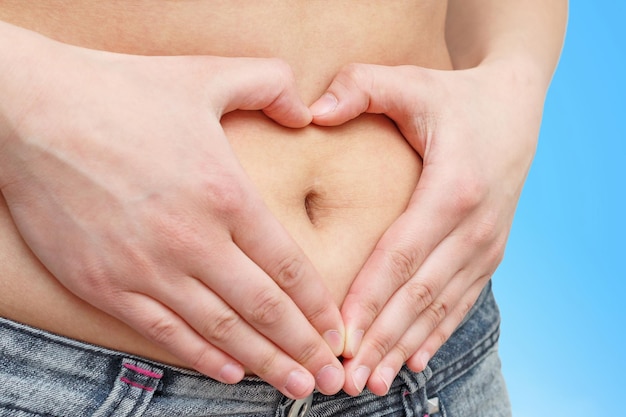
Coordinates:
(265, 241)
(219, 325)
(424, 298)
(422, 340)
(399, 253)
(402, 93)
(224, 328)
(161, 326)
(397, 92)
(261, 84)
(419, 298)
(266, 309)
(438, 337)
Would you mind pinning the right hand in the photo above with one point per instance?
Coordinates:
(122, 182)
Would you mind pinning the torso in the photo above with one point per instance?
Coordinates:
(360, 175)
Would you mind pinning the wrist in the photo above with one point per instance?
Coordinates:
(516, 75)
(24, 74)
(516, 92)
(18, 70)
(524, 68)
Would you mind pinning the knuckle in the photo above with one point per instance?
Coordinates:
(381, 344)
(200, 360)
(437, 311)
(403, 350)
(289, 272)
(268, 309)
(402, 264)
(308, 352)
(93, 274)
(499, 247)
(162, 330)
(267, 362)
(318, 312)
(468, 191)
(495, 255)
(219, 327)
(369, 305)
(484, 231)
(277, 74)
(225, 195)
(355, 72)
(480, 234)
(355, 77)
(418, 296)
(281, 68)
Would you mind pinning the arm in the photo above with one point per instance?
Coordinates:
(526, 34)
(476, 129)
(120, 179)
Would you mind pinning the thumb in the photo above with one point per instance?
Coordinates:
(261, 84)
(366, 88)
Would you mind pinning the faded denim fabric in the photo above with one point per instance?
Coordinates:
(42, 374)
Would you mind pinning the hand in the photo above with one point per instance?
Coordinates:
(120, 179)
(476, 131)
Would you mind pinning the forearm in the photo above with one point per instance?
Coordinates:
(529, 34)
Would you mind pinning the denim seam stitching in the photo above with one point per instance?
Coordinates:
(455, 370)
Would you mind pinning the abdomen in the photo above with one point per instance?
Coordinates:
(336, 190)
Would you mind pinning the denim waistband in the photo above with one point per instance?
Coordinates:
(46, 374)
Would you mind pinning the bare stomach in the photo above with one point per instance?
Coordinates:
(336, 190)
(333, 190)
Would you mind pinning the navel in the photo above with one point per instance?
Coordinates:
(309, 206)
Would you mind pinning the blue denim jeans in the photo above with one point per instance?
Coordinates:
(42, 374)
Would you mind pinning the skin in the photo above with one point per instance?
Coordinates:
(205, 303)
(121, 108)
(410, 270)
(476, 129)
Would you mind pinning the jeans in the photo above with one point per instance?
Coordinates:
(42, 374)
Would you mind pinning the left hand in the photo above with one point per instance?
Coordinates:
(476, 131)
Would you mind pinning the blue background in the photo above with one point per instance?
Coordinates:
(562, 284)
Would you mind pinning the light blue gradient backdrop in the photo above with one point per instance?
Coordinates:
(562, 284)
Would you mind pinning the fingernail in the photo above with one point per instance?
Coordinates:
(231, 373)
(335, 341)
(325, 104)
(354, 342)
(299, 385)
(422, 361)
(387, 374)
(329, 380)
(360, 376)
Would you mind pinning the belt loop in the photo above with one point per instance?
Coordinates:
(414, 381)
(132, 391)
(414, 397)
